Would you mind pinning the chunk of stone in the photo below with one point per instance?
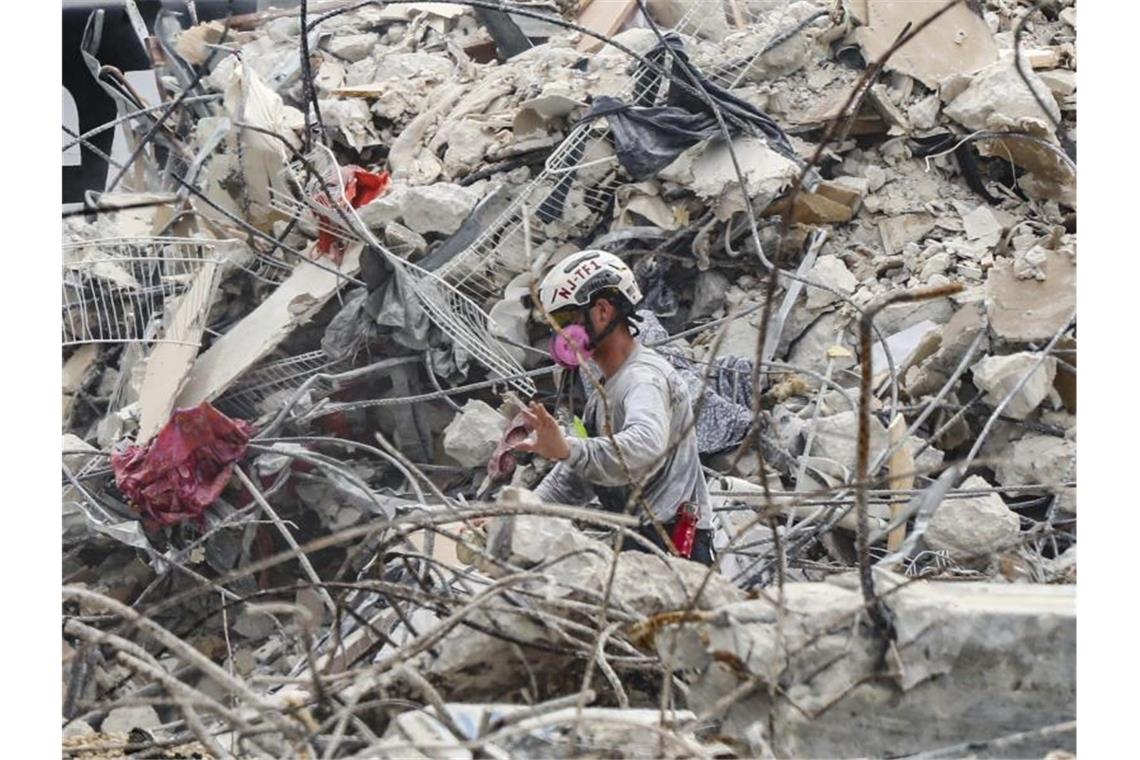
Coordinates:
(954, 340)
(831, 271)
(707, 170)
(77, 728)
(998, 375)
(389, 207)
(936, 264)
(1036, 459)
(876, 177)
(973, 527)
(997, 98)
(924, 113)
(467, 143)
(403, 241)
(254, 625)
(352, 47)
(816, 344)
(741, 336)
(474, 433)
(441, 207)
(525, 540)
(123, 720)
(708, 293)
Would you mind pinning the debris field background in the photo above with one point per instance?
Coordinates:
(298, 326)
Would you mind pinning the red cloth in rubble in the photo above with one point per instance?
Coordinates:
(360, 187)
(184, 468)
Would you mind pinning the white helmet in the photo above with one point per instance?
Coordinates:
(576, 279)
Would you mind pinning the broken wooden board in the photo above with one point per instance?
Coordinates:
(959, 42)
(170, 362)
(829, 203)
(1022, 311)
(604, 17)
(901, 468)
(294, 303)
(737, 15)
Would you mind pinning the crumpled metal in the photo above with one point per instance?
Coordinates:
(183, 470)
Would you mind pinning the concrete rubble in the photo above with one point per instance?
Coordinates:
(336, 253)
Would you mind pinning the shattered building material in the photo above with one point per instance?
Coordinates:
(298, 367)
(957, 43)
(292, 304)
(1025, 375)
(960, 645)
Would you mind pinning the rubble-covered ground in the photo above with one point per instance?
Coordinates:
(292, 522)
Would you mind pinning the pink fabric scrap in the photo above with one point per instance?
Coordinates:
(183, 470)
(502, 463)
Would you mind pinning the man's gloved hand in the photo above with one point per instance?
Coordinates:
(548, 440)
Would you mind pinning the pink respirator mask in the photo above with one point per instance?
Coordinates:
(566, 345)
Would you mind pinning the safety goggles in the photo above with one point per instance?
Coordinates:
(566, 316)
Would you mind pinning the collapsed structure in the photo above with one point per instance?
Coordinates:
(298, 327)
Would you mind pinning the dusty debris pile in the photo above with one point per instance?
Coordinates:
(298, 330)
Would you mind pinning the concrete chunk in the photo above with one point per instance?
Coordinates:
(474, 433)
(441, 207)
(974, 661)
(998, 375)
(997, 98)
(352, 47)
(122, 720)
(829, 270)
(974, 527)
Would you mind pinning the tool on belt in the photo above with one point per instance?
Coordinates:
(684, 531)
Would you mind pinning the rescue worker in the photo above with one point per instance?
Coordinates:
(592, 295)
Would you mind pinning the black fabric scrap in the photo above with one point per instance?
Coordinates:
(648, 138)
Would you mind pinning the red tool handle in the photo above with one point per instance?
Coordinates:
(685, 529)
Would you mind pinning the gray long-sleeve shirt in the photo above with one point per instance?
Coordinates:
(652, 422)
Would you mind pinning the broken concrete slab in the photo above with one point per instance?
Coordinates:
(292, 304)
(474, 433)
(837, 435)
(169, 363)
(997, 99)
(958, 42)
(1061, 82)
(997, 376)
(1026, 310)
(959, 646)
(708, 171)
